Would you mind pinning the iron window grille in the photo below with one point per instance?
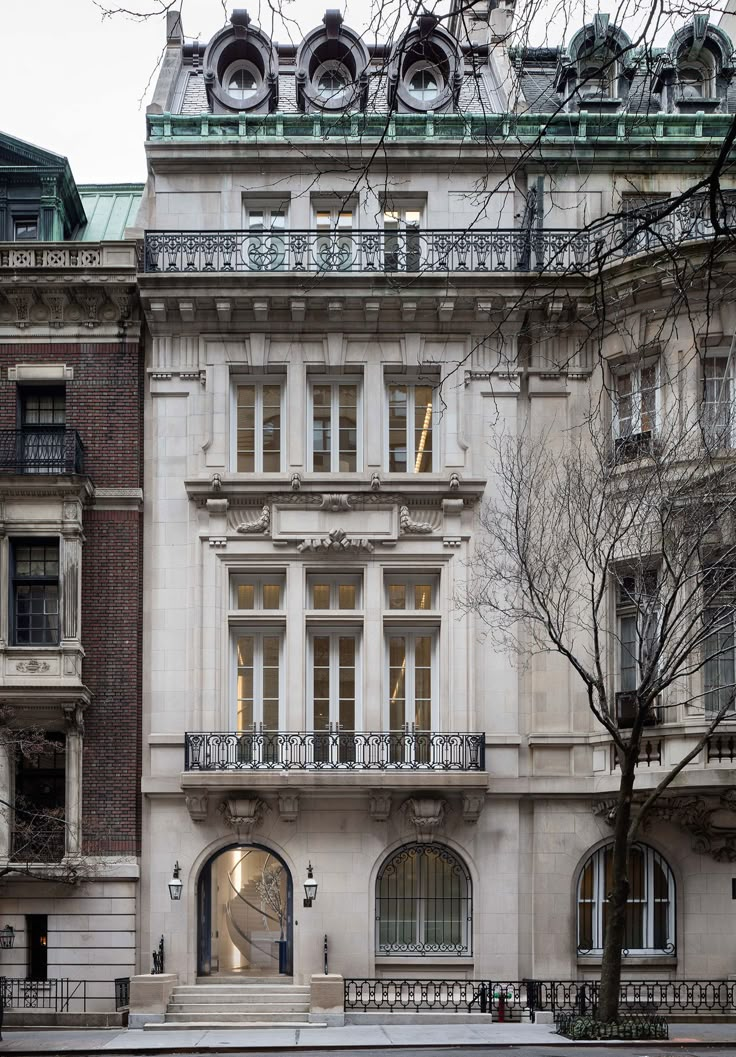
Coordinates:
(35, 566)
(650, 911)
(424, 903)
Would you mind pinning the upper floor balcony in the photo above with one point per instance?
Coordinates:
(334, 750)
(413, 251)
(41, 451)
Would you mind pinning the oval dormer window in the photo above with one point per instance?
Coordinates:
(331, 81)
(242, 80)
(425, 81)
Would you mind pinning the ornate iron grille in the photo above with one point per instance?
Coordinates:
(424, 903)
(336, 750)
(41, 451)
(436, 249)
(510, 1000)
(122, 992)
(59, 995)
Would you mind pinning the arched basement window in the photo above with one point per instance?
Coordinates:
(650, 914)
(424, 903)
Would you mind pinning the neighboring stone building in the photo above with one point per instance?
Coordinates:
(342, 303)
(71, 561)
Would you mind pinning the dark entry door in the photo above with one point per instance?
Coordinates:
(37, 927)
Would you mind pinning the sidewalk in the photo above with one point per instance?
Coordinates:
(353, 1037)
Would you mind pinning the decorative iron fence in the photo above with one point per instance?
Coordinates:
(659, 227)
(122, 992)
(336, 750)
(57, 995)
(512, 1000)
(41, 451)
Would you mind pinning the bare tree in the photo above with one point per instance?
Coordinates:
(578, 526)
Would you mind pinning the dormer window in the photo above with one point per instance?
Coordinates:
(25, 229)
(596, 79)
(425, 82)
(242, 80)
(332, 80)
(696, 77)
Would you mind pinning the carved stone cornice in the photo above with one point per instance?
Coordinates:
(710, 819)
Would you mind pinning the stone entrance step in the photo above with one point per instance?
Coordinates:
(236, 1003)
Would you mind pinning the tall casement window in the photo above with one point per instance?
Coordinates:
(650, 913)
(35, 592)
(424, 903)
(410, 444)
(402, 240)
(39, 830)
(336, 427)
(259, 681)
(411, 649)
(42, 423)
(718, 402)
(334, 246)
(719, 670)
(635, 410)
(637, 620)
(258, 427)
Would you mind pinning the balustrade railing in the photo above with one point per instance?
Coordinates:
(334, 750)
(415, 251)
(513, 1000)
(41, 451)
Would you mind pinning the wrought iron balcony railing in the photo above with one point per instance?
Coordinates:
(334, 750)
(41, 451)
(434, 250)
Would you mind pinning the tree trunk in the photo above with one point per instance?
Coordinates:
(618, 897)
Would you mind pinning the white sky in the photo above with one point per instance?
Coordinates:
(77, 84)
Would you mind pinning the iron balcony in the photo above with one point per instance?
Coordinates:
(532, 249)
(334, 750)
(41, 451)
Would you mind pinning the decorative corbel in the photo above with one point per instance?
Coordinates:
(198, 806)
(379, 805)
(243, 814)
(426, 814)
(473, 804)
(288, 807)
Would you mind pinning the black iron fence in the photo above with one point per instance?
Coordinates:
(514, 1000)
(41, 451)
(122, 992)
(337, 750)
(56, 995)
(657, 227)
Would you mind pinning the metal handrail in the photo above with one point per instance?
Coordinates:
(41, 450)
(343, 750)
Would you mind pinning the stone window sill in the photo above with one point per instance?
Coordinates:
(644, 961)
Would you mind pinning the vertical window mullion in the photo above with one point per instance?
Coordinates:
(410, 445)
(258, 426)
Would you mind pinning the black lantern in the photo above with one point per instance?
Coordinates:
(175, 885)
(310, 887)
(7, 937)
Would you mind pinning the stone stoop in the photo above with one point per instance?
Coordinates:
(254, 1004)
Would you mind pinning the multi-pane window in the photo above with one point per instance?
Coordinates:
(718, 396)
(637, 618)
(635, 410)
(402, 240)
(410, 680)
(410, 428)
(258, 427)
(335, 427)
(265, 246)
(25, 229)
(334, 680)
(35, 571)
(40, 792)
(265, 591)
(719, 670)
(411, 593)
(333, 592)
(650, 911)
(424, 903)
(42, 420)
(259, 681)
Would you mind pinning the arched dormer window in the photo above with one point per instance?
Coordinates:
(331, 67)
(424, 903)
(426, 69)
(595, 71)
(650, 914)
(241, 68)
(696, 69)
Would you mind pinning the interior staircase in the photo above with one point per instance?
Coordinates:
(262, 1002)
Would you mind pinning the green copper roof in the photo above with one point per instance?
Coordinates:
(110, 208)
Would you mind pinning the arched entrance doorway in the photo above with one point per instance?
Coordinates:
(244, 913)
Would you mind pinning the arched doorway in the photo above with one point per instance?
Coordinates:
(244, 913)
